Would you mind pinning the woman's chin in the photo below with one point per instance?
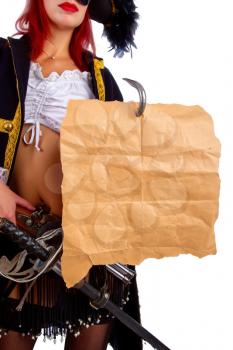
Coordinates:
(64, 25)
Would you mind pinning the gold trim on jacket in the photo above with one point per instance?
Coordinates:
(98, 65)
(12, 127)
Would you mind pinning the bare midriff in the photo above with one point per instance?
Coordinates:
(37, 176)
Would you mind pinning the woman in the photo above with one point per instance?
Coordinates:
(39, 74)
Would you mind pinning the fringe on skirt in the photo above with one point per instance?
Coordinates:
(60, 310)
(51, 309)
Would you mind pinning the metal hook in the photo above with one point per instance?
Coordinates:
(142, 95)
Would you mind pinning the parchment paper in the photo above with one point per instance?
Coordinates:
(136, 188)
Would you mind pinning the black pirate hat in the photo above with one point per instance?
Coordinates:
(119, 18)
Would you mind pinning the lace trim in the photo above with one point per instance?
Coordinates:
(4, 173)
(54, 75)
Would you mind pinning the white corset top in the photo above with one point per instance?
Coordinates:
(47, 98)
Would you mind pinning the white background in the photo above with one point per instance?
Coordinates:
(184, 56)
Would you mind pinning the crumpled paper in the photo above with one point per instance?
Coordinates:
(136, 187)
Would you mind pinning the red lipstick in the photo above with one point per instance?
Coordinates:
(67, 6)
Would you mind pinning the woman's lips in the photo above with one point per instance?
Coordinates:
(66, 6)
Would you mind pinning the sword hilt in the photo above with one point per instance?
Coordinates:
(22, 239)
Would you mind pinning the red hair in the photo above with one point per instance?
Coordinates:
(34, 21)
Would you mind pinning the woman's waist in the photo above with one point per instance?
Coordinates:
(38, 189)
(37, 176)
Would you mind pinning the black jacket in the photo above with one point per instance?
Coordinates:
(14, 72)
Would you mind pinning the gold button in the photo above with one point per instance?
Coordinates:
(8, 126)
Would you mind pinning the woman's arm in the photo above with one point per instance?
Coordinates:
(3, 44)
(8, 199)
(112, 90)
(8, 202)
(4, 173)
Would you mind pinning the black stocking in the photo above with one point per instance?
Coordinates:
(15, 340)
(92, 338)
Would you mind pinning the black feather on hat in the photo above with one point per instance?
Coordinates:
(119, 18)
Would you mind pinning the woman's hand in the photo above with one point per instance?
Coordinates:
(8, 202)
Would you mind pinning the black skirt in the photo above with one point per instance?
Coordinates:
(59, 309)
(51, 309)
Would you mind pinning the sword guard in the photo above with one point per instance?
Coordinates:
(101, 301)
